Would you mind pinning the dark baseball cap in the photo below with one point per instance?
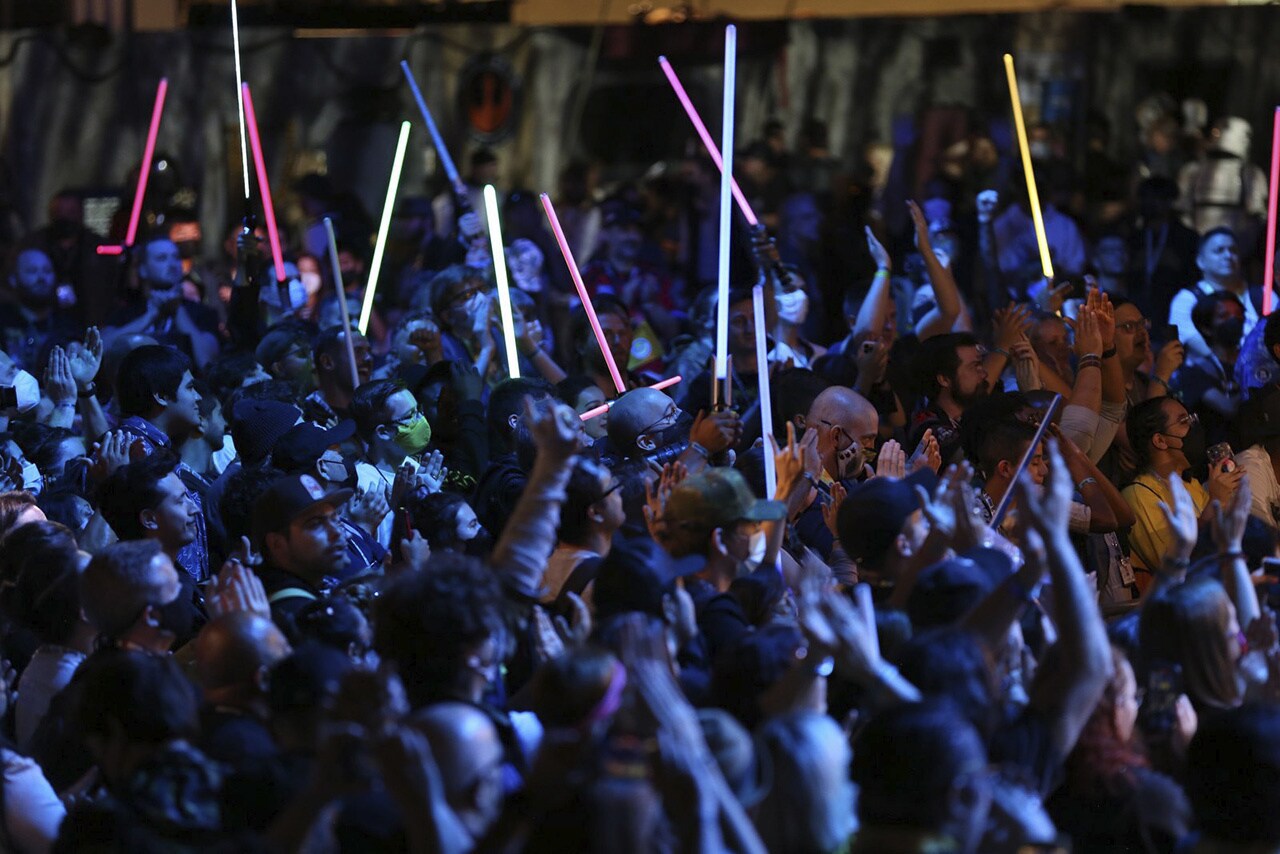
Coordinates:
(302, 444)
(947, 591)
(288, 498)
(256, 426)
(875, 511)
(719, 497)
(276, 343)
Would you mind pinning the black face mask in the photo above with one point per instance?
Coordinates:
(1193, 445)
(676, 433)
(479, 546)
(1228, 333)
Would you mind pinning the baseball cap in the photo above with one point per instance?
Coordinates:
(948, 590)
(256, 425)
(718, 497)
(279, 341)
(302, 444)
(875, 510)
(287, 499)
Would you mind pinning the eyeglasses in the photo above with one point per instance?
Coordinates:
(1187, 419)
(672, 413)
(411, 416)
(614, 487)
(1130, 327)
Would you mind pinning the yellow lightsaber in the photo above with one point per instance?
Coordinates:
(500, 273)
(379, 247)
(1033, 197)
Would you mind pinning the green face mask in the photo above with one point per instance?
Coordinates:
(413, 438)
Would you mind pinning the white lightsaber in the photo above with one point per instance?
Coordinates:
(500, 273)
(766, 406)
(726, 204)
(244, 146)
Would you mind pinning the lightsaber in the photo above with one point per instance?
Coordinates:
(726, 193)
(701, 128)
(140, 192)
(450, 170)
(1269, 274)
(766, 402)
(605, 407)
(500, 273)
(380, 245)
(235, 43)
(1003, 506)
(264, 186)
(342, 301)
(582, 294)
(1046, 264)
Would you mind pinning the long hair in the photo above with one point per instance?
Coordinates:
(1101, 758)
(1187, 625)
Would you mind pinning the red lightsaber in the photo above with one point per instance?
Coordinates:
(1269, 276)
(264, 186)
(140, 192)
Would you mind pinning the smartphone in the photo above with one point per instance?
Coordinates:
(1221, 456)
(1159, 707)
(1271, 566)
(410, 461)
(1168, 333)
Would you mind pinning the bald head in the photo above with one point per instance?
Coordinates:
(636, 416)
(843, 419)
(233, 650)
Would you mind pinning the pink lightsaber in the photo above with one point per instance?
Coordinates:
(605, 407)
(705, 136)
(140, 193)
(1270, 269)
(582, 294)
(264, 186)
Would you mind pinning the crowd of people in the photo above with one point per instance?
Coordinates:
(271, 582)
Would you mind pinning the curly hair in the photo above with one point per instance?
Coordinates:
(425, 621)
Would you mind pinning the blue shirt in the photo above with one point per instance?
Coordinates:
(194, 557)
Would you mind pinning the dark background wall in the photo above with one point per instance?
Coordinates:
(75, 112)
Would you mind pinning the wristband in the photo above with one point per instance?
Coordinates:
(1000, 352)
(1235, 554)
(1088, 480)
(1109, 353)
(89, 390)
(700, 451)
(1089, 361)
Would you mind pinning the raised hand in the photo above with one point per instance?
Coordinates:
(1048, 513)
(432, 472)
(928, 454)
(656, 496)
(1229, 522)
(892, 461)
(556, 429)
(1169, 359)
(1088, 333)
(1011, 323)
(367, 508)
(1183, 520)
(86, 358)
(716, 431)
(831, 510)
(415, 551)
(109, 455)
(59, 382)
(878, 252)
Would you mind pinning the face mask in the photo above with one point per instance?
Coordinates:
(331, 467)
(755, 551)
(27, 390)
(793, 307)
(1227, 334)
(32, 480)
(1193, 446)
(478, 546)
(310, 282)
(413, 438)
(676, 433)
(849, 462)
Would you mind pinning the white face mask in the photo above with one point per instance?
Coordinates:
(311, 282)
(755, 552)
(793, 307)
(27, 389)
